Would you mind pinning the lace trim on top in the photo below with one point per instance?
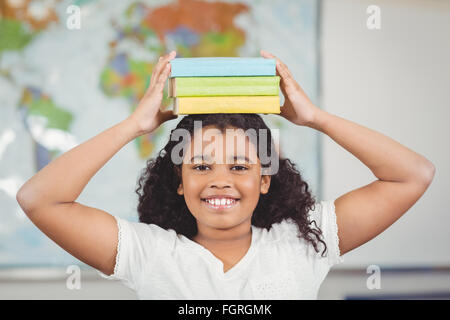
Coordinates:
(335, 233)
(119, 242)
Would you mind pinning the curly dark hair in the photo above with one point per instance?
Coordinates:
(288, 196)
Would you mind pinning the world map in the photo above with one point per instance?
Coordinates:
(60, 86)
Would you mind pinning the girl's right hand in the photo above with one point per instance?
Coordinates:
(148, 115)
(297, 107)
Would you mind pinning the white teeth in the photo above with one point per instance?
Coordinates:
(221, 202)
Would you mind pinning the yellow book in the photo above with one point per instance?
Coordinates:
(227, 104)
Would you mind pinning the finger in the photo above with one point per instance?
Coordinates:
(287, 81)
(266, 54)
(283, 87)
(162, 62)
(161, 80)
(280, 65)
(284, 71)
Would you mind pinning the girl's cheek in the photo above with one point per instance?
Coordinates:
(248, 181)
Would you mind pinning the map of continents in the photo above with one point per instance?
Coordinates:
(60, 87)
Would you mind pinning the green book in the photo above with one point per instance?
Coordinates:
(224, 86)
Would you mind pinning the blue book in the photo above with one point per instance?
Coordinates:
(222, 67)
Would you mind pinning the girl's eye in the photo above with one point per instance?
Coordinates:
(241, 168)
(202, 166)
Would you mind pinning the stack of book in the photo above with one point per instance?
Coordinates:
(224, 85)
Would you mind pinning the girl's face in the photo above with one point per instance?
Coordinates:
(222, 187)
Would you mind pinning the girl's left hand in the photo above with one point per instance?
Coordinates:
(297, 107)
(149, 114)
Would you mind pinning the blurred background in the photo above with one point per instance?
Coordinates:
(71, 69)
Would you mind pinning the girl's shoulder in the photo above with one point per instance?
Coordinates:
(284, 230)
(322, 216)
(288, 227)
(287, 233)
(145, 234)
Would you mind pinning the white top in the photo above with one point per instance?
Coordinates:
(160, 264)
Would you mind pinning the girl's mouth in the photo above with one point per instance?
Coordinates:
(220, 203)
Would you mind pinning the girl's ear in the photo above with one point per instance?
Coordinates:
(180, 187)
(180, 190)
(265, 183)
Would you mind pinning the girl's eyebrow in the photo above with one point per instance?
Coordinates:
(240, 158)
(202, 157)
(205, 157)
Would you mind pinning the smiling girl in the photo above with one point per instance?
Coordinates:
(218, 227)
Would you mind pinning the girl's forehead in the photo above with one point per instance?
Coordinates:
(206, 132)
(232, 142)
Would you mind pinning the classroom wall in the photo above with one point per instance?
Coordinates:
(395, 80)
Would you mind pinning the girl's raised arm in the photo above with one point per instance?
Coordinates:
(403, 175)
(48, 198)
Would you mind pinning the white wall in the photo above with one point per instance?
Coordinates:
(395, 80)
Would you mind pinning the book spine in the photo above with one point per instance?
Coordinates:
(222, 67)
(236, 104)
(225, 71)
(224, 86)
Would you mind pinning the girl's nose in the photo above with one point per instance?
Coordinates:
(221, 178)
(220, 185)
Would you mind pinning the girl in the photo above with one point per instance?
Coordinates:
(223, 231)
